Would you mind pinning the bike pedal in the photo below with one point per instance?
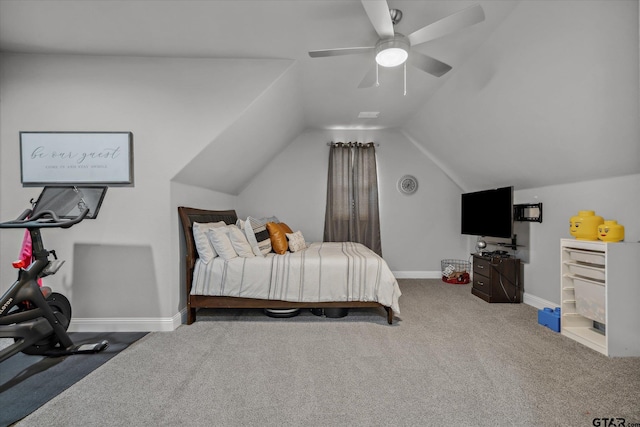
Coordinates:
(52, 268)
(91, 348)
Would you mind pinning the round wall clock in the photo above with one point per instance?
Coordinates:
(407, 184)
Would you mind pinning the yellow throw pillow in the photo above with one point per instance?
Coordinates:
(278, 236)
(285, 227)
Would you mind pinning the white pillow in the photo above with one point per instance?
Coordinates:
(296, 241)
(239, 242)
(219, 238)
(203, 246)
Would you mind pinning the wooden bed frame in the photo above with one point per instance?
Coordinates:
(190, 215)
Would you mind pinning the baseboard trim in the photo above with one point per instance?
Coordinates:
(537, 302)
(168, 324)
(128, 324)
(528, 299)
(417, 274)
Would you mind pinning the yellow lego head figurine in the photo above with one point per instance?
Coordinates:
(584, 226)
(611, 231)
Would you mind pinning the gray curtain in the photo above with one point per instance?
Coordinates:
(352, 213)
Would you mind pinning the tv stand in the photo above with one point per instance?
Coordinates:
(496, 278)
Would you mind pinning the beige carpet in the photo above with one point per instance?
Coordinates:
(449, 359)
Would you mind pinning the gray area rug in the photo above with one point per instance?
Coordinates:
(449, 359)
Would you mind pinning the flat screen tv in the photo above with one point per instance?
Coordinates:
(488, 213)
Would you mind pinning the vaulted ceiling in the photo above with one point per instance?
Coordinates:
(258, 29)
(536, 89)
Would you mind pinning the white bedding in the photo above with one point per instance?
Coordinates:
(344, 271)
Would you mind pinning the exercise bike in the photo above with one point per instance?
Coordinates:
(35, 317)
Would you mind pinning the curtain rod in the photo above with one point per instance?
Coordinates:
(363, 143)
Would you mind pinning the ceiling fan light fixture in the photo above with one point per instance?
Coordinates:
(392, 52)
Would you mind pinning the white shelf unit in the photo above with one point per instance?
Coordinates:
(601, 282)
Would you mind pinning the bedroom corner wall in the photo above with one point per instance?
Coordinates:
(417, 231)
(549, 94)
(174, 107)
(193, 197)
(559, 106)
(613, 198)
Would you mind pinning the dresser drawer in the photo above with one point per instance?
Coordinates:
(586, 270)
(481, 266)
(481, 287)
(482, 283)
(585, 256)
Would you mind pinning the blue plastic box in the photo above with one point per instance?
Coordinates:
(550, 318)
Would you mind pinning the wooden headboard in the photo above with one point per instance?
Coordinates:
(187, 217)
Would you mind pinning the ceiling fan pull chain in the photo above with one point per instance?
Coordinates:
(377, 82)
(405, 79)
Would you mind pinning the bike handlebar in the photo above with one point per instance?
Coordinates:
(43, 219)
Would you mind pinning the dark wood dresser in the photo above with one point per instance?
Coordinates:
(497, 278)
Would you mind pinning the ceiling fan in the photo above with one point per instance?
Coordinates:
(393, 49)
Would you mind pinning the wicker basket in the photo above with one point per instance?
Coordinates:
(455, 271)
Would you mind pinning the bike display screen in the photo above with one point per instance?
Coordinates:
(70, 201)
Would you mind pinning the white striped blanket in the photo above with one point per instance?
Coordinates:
(323, 272)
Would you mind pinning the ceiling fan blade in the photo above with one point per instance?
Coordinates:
(457, 21)
(378, 12)
(340, 51)
(429, 64)
(369, 79)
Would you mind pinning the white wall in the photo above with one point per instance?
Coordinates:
(614, 198)
(551, 97)
(174, 107)
(417, 230)
(266, 126)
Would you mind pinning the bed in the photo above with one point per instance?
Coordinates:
(285, 281)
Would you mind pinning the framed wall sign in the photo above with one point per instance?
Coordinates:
(76, 158)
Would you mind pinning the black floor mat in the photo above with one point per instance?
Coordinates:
(28, 382)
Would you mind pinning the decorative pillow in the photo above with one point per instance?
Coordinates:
(239, 242)
(296, 241)
(277, 234)
(257, 235)
(203, 245)
(219, 238)
(285, 227)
